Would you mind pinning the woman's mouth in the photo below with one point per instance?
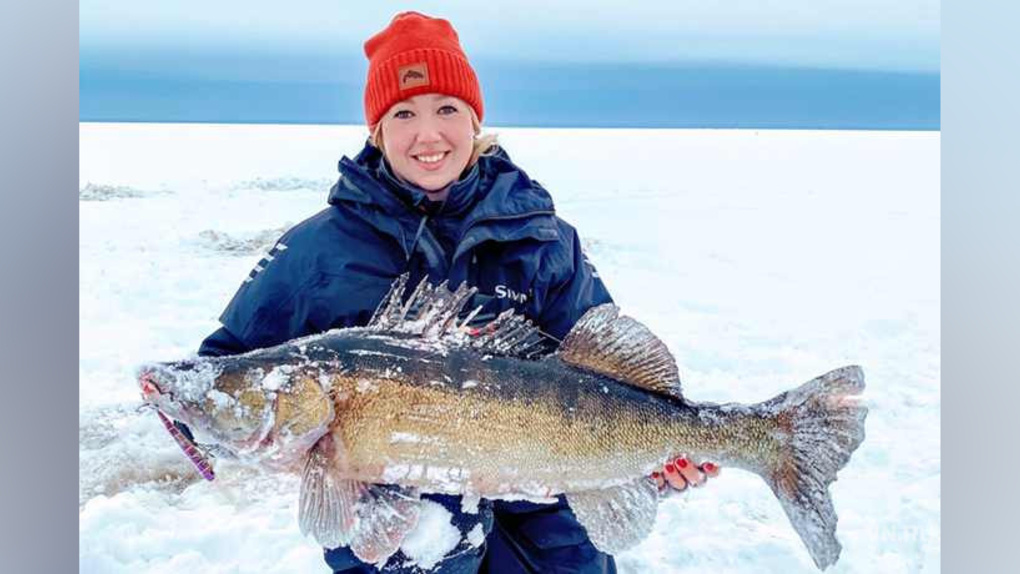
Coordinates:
(430, 161)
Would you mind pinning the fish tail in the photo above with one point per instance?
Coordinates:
(819, 425)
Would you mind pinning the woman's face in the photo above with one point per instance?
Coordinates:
(428, 139)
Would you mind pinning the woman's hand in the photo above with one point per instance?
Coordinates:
(680, 473)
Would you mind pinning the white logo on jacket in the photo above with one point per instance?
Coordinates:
(504, 292)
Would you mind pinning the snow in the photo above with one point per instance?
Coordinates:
(476, 536)
(220, 399)
(761, 258)
(433, 538)
(277, 377)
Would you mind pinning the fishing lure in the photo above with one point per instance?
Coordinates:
(194, 455)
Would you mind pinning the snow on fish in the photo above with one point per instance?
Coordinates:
(416, 402)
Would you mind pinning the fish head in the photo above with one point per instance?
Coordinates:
(212, 400)
(254, 409)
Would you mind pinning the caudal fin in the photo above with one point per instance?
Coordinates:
(822, 423)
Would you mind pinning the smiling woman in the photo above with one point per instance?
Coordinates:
(429, 141)
(423, 103)
(480, 144)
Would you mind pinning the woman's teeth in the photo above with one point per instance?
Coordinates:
(430, 158)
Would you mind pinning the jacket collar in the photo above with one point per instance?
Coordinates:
(462, 196)
(495, 187)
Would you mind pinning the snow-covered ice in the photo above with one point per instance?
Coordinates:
(761, 258)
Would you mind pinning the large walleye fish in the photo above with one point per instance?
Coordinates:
(418, 402)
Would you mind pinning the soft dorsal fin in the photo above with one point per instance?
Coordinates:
(434, 312)
(620, 347)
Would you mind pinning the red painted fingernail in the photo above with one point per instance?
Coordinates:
(670, 467)
(681, 462)
(709, 467)
(655, 474)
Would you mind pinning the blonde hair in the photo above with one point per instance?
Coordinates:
(484, 144)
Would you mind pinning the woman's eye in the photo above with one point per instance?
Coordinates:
(403, 114)
(447, 109)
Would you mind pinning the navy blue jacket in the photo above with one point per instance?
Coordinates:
(498, 231)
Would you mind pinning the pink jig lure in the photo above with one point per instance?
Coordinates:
(193, 454)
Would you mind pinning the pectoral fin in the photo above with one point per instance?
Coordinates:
(617, 518)
(372, 519)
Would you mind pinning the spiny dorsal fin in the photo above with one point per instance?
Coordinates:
(622, 348)
(433, 312)
(430, 311)
(392, 305)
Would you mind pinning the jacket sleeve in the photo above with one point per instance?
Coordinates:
(305, 285)
(572, 292)
(264, 312)
(281, 308)
(222, 342)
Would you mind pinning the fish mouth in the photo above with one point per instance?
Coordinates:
(150, 390)
(190, 449)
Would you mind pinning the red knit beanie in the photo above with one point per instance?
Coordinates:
(417, 54)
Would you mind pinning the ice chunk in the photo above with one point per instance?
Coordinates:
(434, 536)
(277, 378)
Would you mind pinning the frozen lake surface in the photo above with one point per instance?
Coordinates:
(761, 258)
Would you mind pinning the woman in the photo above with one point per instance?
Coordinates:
(431, 197)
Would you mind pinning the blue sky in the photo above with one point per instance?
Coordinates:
(273, 61)
(869, 34)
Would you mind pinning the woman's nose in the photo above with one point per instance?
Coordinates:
(429, 131)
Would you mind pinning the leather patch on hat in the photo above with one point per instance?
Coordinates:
(413, 75)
